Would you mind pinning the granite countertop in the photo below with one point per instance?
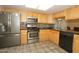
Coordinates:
(75, 32)
(71, 31)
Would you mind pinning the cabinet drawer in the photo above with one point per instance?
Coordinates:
(10, 40)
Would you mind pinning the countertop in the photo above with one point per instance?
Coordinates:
(74, 32)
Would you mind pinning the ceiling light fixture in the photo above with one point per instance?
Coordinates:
(39, 4)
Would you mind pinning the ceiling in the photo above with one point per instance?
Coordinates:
(53, 9)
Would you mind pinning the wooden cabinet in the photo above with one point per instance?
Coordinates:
(29, 14)
(72, 13)
(50, 19)
(35, 15)
(23, 17)
(69, 14)
(42, 18)
(43, 35)
(23, 36)
(59, 14)
(76, 44)
(75, 13)
(39, 18)
(54, 36)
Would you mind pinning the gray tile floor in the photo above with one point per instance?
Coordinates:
(39, 47)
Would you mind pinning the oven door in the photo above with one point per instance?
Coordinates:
(33, 35)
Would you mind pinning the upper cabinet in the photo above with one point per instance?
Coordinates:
(35, 15)
(72, 13)
(59, 14)
(23, 16)
(69, 14)
(50, 19)
(75, 13)
(42, 18)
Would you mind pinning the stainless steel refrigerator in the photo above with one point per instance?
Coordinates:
(9, 29)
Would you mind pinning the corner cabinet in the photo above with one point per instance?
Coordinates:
(23, 36)
(54, 36)
(43, 35)
(76, 44)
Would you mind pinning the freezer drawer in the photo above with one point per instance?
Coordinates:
(9, 40)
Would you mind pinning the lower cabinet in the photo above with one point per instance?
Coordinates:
(23, 36)
(76, 44)
(43, 35)
(54, 36)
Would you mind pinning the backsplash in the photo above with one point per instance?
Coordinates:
(45, 26)
(39, 25)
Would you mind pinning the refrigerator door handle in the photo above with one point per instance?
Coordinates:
(10, 22)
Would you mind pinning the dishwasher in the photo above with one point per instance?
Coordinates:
(66, 41)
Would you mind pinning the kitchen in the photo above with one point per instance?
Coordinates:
(55, 32)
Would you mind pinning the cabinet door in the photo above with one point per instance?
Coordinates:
(42, 18)
(35, 15)
(76, 44)
(54, 36)
(39, 18)
(23, 36)
(68, 14)
(29, 14)
(75, 13)
(59, 14)
(43, 35)
(23, 16)
(45, 18)
(50, 19)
